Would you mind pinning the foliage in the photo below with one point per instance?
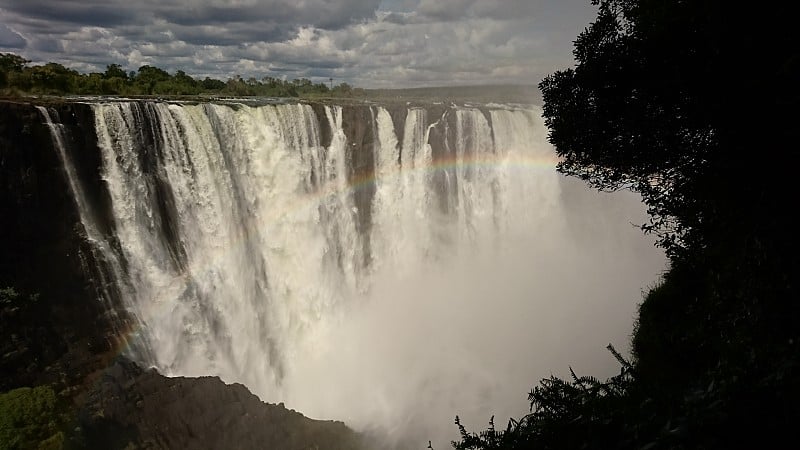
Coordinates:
(692, 104)
(115, 71)
(8, 295)
(30, 418)
(659, 101)
(584, 412)
(11, 298)
(18, 78)
(10, 62)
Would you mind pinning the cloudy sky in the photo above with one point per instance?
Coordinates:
(369, 43)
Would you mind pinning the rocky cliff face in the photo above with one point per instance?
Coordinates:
(129, 406)
(54, 331)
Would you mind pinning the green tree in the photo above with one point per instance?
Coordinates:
(343, 89)
(321, 88)
(180, 84)
(662, 101)
(148, 76)
(237, 86)
(17, 78)
(659, 101)
(51, 78)
(210, 84)
(115, 71)
(9, 62)
(301, 83)
(30, 418)
(692, 104)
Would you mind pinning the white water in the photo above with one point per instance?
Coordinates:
(254, 271)
(100, 248)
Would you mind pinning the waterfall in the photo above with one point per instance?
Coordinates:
(57, 134)
(108, 277)
(241, 251)
(474, 172)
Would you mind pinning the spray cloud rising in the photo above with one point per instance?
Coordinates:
(431, 264)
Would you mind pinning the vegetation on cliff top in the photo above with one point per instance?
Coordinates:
(18, 78)
(693, 105)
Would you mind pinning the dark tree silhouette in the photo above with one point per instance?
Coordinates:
(678, 100)
(694, 105)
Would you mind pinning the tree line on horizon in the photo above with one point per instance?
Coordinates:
(19, 78)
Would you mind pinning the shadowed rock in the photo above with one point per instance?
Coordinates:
(132, 406)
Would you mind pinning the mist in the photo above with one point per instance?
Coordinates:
(473, 330)
(483, 270)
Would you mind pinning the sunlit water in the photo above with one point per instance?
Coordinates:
(482, 270)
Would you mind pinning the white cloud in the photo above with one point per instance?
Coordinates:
(367, 43)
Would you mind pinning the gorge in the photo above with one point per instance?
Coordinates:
(387, 265)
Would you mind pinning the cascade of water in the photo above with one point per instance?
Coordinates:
(415, 206)
(243, 259)
(239, 190)
(103, 262)
(58, 138)
(474, 170)
(521, 134)
(388, 190)
(337, 204)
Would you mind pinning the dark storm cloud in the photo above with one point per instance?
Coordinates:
(112, 13)
(449, 10)
(379, 43)
(83, 12)
(10, 38)
(322, 65)
(283, 69)
(234, 33)
(46, 45)
(319, 13)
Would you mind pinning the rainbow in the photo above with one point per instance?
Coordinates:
(546, 163)
(541, 163)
